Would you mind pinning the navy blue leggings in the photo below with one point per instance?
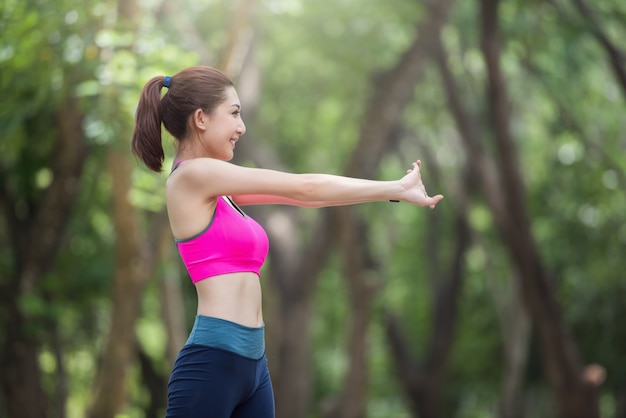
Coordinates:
(209, 382)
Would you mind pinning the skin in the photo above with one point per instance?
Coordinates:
(206, 174)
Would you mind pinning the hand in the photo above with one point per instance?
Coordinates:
(415, 190)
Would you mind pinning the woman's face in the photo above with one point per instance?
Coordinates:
(224, 126)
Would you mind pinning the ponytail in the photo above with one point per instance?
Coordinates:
(146, 141)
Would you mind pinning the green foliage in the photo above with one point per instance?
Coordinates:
(314, 122)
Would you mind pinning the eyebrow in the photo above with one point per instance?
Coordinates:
(236, 105)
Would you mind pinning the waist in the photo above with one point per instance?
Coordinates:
(219, 333)
(234, 297)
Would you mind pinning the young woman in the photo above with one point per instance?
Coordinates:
(221, 372)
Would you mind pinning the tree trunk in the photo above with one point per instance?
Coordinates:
(576, 396)
(172, 308)
(293, 277)
(515, 326)
(360, 271)
(61, 390)
(423, 382)
(620, 403)
(155, 384)
(131, 273)
(35, 243)
(21, 377)
(239, 40)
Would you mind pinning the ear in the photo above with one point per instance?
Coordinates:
(199, 120)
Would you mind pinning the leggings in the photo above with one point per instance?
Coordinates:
(210, 382)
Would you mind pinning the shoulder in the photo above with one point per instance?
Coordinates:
(197, 170)
(208, 178)
(203, 178)
(202, 165)
(187, 176)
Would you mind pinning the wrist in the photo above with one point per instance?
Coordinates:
(398, 192)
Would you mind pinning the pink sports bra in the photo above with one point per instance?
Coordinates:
(232, 242)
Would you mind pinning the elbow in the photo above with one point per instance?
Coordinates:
(308, 188)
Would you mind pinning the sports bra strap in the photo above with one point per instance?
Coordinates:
(176, 164)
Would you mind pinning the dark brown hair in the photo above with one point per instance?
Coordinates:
(191, 89)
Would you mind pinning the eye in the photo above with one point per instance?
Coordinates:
(237, 113)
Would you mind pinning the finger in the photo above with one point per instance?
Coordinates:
(416, 166)
(435, 200)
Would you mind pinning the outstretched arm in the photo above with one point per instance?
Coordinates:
(260, 186)
(411, 188)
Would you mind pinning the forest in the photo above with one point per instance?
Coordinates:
(505, 301)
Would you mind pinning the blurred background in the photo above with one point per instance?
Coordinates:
(506, 301)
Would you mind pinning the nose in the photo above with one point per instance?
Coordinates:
(241, 127)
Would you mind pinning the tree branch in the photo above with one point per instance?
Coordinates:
(616, 56)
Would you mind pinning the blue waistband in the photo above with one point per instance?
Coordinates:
(226, 335)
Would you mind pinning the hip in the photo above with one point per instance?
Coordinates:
(222, 334)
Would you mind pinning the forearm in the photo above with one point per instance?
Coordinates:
(245, 200)
(322, 190)
(331, 190)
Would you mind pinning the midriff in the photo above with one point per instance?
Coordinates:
(235, 297)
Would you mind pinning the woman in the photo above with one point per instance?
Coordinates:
(222, 371)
